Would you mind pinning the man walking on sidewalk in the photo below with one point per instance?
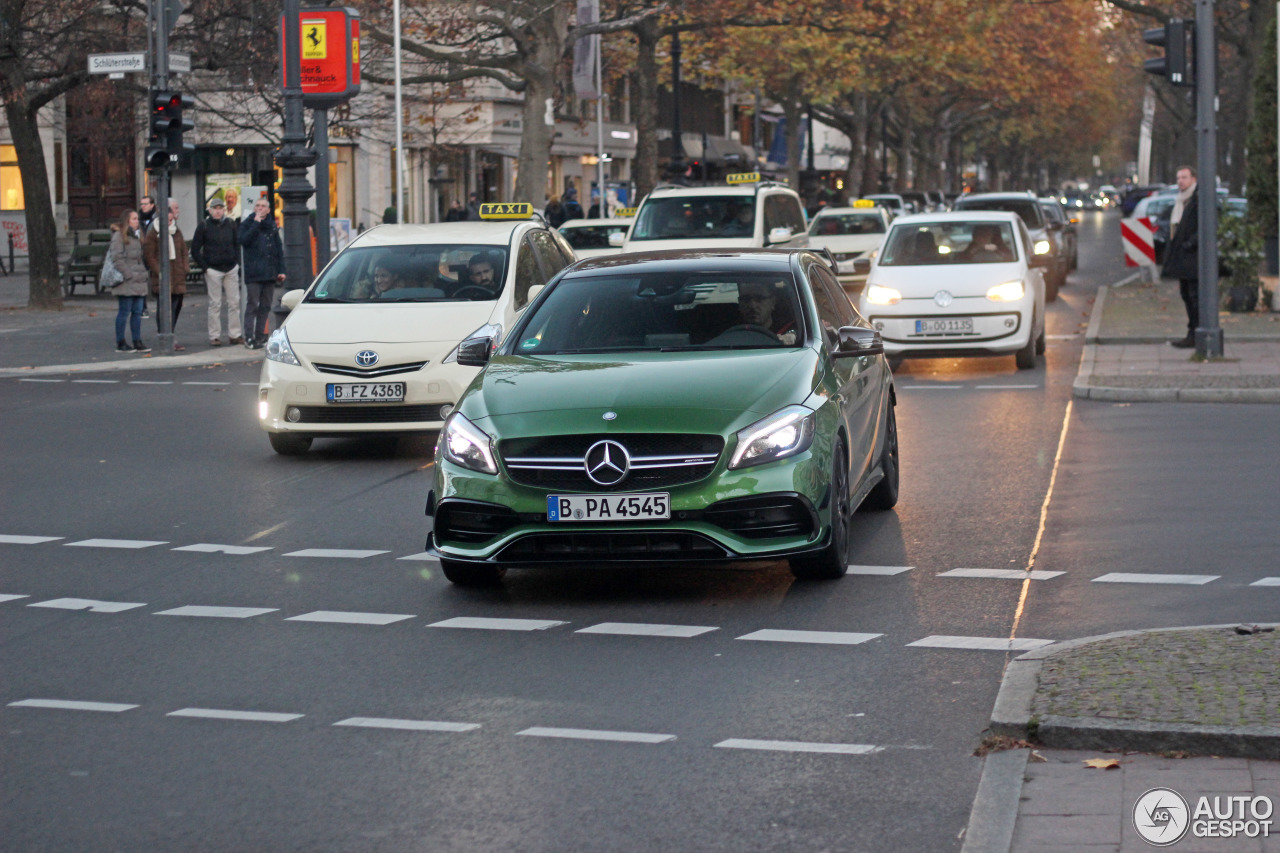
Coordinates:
(216, 247)
(263, 269)
(1182, 255)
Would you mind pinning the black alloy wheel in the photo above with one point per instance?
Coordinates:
(832, 561)
(884, 495)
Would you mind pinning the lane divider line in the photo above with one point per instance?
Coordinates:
(349, 617)
(406, 725)
(217, 612)
(62, 705)
(1266, 582)
(1008, 574)
(4, 598)
(799, 746)
(492, 624)
(988, 644)
(1142, 577)
(89, 604)
(11, 539)
(338, 553)
(878, 570)
(131, 544)
(247, 716)
(641, 629)
(235, 550)
(835, 638)
(595, 734)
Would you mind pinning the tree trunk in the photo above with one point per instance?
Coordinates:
(535, 139)
(45, 289)
(644, 109)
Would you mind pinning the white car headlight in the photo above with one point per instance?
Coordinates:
(1010, 291)
(782, 434)
(488, 330)
(467, 445)
(278, 348)
(1042, 247)
(879, 295)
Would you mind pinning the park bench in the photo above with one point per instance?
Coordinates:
(85, 264)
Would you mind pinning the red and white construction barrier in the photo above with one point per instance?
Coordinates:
(1139, 238)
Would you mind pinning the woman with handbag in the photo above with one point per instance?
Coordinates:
(125, 256)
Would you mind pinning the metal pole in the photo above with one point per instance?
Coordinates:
(399, 167)
(294, 159)
(677, 166)
(1209, 333)
(600, 126)
(164, 307)
(320, 123)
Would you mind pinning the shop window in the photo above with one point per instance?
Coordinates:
(10, 180)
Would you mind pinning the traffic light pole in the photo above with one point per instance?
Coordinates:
(294, 158)
(1209, 333)
(160, 83)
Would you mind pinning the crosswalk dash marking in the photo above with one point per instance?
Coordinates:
(1006, 574)
(595, 734)
(63, 705)
(835, 638)
(1266, 582)
(133, 544)
(339, 553)
(249, 716)
(407, 725)
(640, 629)
(992, 644)
(800, 746)
(206, 548)
(879, 570)
(492, 624)
(13, 539)
(89, 604)
(217, 612)
(1143, 577)
(350, 618)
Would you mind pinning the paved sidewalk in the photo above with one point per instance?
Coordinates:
(1127, 356)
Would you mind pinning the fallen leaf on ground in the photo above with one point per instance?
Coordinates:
(1036, 757)
(1101, 763)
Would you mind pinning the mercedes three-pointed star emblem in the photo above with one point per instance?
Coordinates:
(606, 462)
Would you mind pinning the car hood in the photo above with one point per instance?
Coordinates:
(397, 322)
(848, 242)
(716, 391)
(959, 280)
(700, 243)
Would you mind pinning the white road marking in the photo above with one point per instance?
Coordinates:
(37, 380)
(96, 381)
(12, 597)
(1005, 387)
(217, 612)
(206, 383)
(151, 382)
(88, 604)
(407, 725)
(836, 638)
(335, 552)
(641, 629)
(251, 716)
(879, 570)
(993, 644)
(800, 746)
(206, 548)
(1007, 574)
(1266, 582)
(250, 384)
(109, 707)
(489, 624)
(10, 539)
(423, 555)
(928, 387)
(1142, 577)
(350, 618)
(115, 543)
(595, 734)
(1070, 337)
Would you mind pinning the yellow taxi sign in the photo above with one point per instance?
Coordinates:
(864, 202)
(625, 212)
(743, 178)
(506, 210)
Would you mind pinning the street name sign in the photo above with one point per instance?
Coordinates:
(117, 63)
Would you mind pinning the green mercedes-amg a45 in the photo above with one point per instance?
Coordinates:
(669, 407)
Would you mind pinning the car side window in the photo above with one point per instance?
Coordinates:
(793, 215)
(828, 318)
(782, 211)
(844, 310)
(528, 273)
(562, 243)
(553, 260)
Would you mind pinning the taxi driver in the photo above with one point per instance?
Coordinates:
(480, 270)
(756, 303)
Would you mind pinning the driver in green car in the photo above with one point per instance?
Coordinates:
(756, 303)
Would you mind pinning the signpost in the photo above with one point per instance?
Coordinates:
(117, 63)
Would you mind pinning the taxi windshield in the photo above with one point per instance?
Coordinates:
(847, 224)
(420, 273)
(696, 218)
(591, 236)
(665, 312)
(936, 243)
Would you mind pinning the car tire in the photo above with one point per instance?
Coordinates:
(289, 443)
(1025, 358)
(895, 362)
(1051, 288)
(1040, 343)
(832, 561)
(884, 495)
(470, 574)
(1075, 260)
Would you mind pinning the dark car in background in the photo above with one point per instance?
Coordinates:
(1063, 224)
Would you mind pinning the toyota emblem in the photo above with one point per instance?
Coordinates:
(366, 358)
(606, 463)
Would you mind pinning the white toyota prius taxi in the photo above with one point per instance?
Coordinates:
(957, 284)
(371, 345)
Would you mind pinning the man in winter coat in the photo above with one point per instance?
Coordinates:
(179, 265)
(146, 215)
(1182, 254)
(263, 270)
(216, 247)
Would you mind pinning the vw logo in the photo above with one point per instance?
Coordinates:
(366, 358)
(606, 463)
(943, 298)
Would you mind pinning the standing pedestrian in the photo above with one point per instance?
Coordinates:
(126, 255)
(179, 265)
(456, 213)
(473, 207)
(263, 269)
(554, 212)
(216, 247)
(572, 209)
(1182, 254)
(146, 215)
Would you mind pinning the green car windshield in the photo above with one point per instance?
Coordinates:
(415, 273)
(665, 312)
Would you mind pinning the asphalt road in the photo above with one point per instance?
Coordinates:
(574, 733)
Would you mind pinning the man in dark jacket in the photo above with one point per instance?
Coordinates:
(216, 247)
(146, 215)
(1182, 255)
(263, 270)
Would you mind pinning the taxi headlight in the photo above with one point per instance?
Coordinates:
(1010, 291)
(467, 445)
(278, 348)
(782, 434)
(879, 295)
(1042, 247)
(488, 330)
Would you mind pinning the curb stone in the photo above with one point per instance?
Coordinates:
(225, 355)
(995, 807)
(1011, 715)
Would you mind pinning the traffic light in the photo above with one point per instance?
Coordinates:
(1177, 38)
(167, 127)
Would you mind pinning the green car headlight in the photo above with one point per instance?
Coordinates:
(467, 445)
(784, 433)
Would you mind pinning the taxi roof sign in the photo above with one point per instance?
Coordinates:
(743, 178)
(864, 202)
(506, 210)
(625, 212)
